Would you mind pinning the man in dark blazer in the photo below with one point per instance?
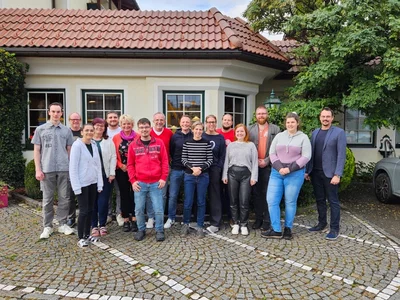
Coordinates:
(325, 169)
(261, 134)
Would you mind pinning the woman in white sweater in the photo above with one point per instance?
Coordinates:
(108, 159)
(240, 173)
(86, 179)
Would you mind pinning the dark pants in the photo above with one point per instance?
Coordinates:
(72, 203)
(323, 189)
(260, 195)
(239, 193)
(86, 203)
(125, 188)
(100, 210)
(214, 195)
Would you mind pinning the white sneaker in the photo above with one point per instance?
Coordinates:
(47, 231)
(150, 223)
(244, 230)
(120, 220)
(109, 220)
(65, 229)
(235, 229)
(83, 243)
(212, 229)
(169, 223)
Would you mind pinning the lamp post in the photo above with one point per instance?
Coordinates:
(272, 101)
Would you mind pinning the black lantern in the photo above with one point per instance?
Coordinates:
(272, 101)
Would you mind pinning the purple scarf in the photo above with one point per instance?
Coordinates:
(128, 138)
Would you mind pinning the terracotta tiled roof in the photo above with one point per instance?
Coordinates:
(286, 47)
(132, 30)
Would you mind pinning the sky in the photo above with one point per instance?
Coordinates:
(231, 8)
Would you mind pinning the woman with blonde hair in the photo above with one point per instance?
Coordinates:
(122, 141)
(240, 173)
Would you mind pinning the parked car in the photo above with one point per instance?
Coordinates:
(387, 175)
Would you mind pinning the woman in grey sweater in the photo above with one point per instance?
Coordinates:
(240, 173)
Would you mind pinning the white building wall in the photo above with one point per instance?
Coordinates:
(25, 3)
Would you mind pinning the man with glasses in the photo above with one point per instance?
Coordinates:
(148, 171)
(75, 126)
(161, 132)
(261, 134)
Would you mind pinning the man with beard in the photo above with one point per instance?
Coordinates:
(325, 169)
(113, 129)
(261, 134)
(227, 131)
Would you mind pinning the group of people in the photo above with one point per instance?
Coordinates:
(232, 166)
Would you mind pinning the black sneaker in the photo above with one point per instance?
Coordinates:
(265, 226)
(126, 227)
(160, 236)
(71, 222)
(271, 234)
(316, 228)
(287, 233)
(257, 224)
(140, 235)
(134, 226)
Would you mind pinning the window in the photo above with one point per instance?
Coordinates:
(96, 104)
(38, 102)
(397, 138)
(356, 131)
(236, 106)
(183, 103)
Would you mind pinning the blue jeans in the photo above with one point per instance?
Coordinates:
(149, 206)
(175, 182)
(155, 194)
(289, 186)
(100, 210)
(200, 184)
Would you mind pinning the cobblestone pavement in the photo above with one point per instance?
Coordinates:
(361, 264)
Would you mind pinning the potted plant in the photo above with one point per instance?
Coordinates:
(4, 188)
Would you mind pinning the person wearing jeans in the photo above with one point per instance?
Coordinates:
(148, 171)
(290, 151)
(197, 157)
(177, 169)
(240, 173)
(108, 159)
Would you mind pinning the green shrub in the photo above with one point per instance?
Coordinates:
(348, 171)
(32, 185)
(12, 118)
(364, 171)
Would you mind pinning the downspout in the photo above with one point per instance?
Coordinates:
(53, 3)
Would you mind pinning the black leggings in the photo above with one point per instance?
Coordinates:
(86, 201)
(125, 188)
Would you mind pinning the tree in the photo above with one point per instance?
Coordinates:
(12, 118)
(349, 52)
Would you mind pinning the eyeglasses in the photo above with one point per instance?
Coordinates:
(144, 127)
(260, 114)
(74, 119)
(211, 122)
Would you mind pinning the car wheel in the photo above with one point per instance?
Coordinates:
(383, 188)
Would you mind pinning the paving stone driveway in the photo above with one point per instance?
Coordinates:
(361, 264)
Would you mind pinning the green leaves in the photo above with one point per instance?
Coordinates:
(12, 118)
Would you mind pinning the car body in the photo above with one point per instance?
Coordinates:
(386, 179)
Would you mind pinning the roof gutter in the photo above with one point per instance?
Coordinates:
(151, 54)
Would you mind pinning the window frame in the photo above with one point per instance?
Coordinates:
(100, 91)
(183, 92)
(227, 94)
(28, 144)
(359, 145)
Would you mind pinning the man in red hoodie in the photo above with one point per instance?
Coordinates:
(148, 171)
